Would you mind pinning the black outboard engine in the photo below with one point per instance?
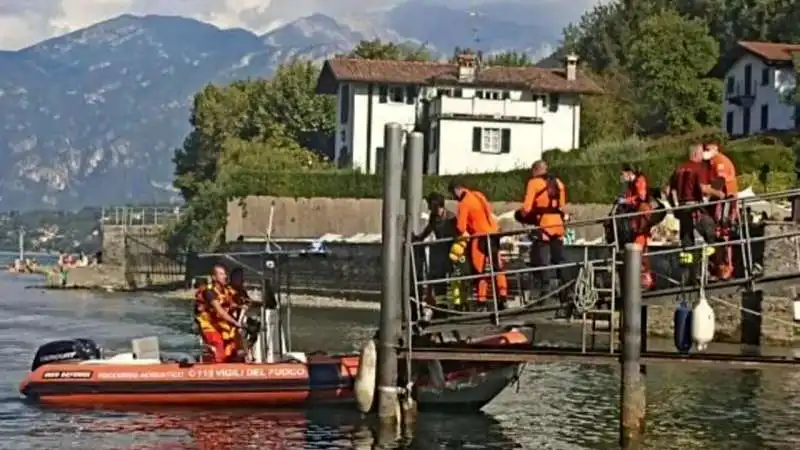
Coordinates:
(66, 350)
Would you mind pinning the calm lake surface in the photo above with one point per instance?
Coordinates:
(558, 406)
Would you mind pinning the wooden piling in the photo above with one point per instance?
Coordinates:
(633, 400)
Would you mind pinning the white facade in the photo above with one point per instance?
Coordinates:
(515, 126)
(756, 97)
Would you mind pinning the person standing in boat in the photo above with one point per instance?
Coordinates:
(542, 207)
(474, 221)
(218, 328)
(442, 225)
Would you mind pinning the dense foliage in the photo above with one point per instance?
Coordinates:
(651, 56)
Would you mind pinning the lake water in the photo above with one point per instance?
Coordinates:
(558, 406)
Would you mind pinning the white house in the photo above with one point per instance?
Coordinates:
(758, 80)
(475, 118)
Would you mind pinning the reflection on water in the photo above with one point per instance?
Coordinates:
(558, 406)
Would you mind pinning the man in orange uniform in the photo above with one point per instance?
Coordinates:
(636, 198)
(722, 175)
(542, 206)
(212, 313)
(474, 217)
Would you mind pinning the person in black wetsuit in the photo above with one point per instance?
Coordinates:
(442, 225)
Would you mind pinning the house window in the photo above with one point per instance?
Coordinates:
(397, 94)
(491, 140)
(458, 93)
(730, 84)
(553, 102)
(444, 93)
(506, 95)
(411, 94)
(383, 93)
(765, 76)
(344, 103)
(489, 95)
(764, 116)
(729, 122)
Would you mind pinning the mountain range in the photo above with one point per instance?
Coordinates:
(92, 117)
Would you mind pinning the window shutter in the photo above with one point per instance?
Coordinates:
(505, 141)
(476, 139)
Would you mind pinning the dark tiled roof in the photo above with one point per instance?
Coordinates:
(433, 73)
(773, 52)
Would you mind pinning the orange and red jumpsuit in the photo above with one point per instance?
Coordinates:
(475, 217)
(219, 336)
(637, 197)
(722, 168)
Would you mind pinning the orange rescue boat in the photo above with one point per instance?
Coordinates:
(74, 373)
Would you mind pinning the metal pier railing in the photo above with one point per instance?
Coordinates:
(593, 284)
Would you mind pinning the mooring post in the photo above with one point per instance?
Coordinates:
(632, 398)
(414, 166)
(413, 181)
(752, 307)
(392, 260)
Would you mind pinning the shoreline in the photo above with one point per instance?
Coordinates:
(660, 328)
(301, 300)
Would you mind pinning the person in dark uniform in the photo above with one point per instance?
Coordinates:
(442, 225)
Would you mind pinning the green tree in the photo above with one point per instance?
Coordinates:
(612, 116)
(290, 100)
(510, 59)
(377, 49)
(218, 113)
(667, 64)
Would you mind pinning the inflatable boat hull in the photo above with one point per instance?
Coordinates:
(320, 380)
(310, 380)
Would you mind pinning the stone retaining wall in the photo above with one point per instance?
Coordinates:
(134, 256)
(314, 217)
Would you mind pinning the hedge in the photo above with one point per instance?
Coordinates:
(591, 175)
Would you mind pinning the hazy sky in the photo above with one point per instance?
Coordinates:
(25, 22)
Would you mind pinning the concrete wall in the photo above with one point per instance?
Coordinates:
(313, 217)
(134, 256)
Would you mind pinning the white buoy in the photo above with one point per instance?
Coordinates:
(703, 320)
(703, 324)
(366, 377)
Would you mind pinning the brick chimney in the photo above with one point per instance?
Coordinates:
(572, 66)
(467, 67)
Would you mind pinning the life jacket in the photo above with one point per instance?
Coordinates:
(553, 190)
(208, 314)
(550, 216)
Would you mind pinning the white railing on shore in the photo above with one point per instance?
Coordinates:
(141, 215)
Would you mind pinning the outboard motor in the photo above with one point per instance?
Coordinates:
(66, 350)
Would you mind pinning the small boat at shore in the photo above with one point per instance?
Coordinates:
(74, 373)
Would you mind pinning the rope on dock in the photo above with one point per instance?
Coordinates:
(755, 313)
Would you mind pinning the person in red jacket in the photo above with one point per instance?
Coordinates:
(636, 198)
